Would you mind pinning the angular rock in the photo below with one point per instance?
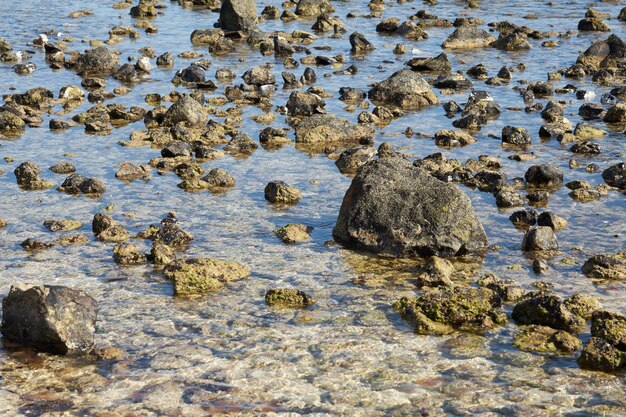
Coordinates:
(598, 355)
(548, 310)
(545, 339)
(325, 129)
(468, 37)
(540, 238)
(404, 89)
(279, 192)
(609, 267)
(293, 233)
(238, 15)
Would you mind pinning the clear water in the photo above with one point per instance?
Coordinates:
(228, 353)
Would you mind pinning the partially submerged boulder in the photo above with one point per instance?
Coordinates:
(442, 311)
(404, 89)
(545, 339)
(397, 209)
(325, 129)
(238, 15)
(548, 310)
(203, 275)
(52, 318)
(468, 37)
(293, 233)
(599, 355)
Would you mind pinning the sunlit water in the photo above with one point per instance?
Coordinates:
(348, 355)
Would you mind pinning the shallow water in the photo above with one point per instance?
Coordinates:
(348, 355)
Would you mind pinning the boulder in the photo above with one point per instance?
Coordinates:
(238, 15)
(52, 318)
(440, 63)
(544, 176)
(187, 111)
(608, 53)
(598, 355)
(404, 89)
(615, 175)
(548, 310)
(352, 159)
(540, 238)
(609, 326)
(395, 208)
(203, 275)
(97, 61)
(293, 233)
(301, 103)
(279, 192)
(609, 267)
(312, 8)
(515, 136)
(326, 129)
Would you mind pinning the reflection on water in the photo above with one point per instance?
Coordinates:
(350, 354)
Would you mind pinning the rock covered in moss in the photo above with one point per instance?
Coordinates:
(64, 225)
(203, 275)
(536, 338)
(395, 208)
(611, 327)
(582, 305)
(288, 297)
(27, 176)
(441, 311)
(107, 230)
(506, 289)
(79, 184)
(323, 130)
(598, 355)
(437, 272)
(293, 233)
(610, 267)
(128, 254)
(548, 310)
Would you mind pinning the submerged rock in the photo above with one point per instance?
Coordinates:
(610, 267)
(203, 275)
(611, 327)
(288, 297)
(404, 89)
(397, 209)
(442, 311)
(546, 339)
(598, 355)
(468, 37)
(52, 318)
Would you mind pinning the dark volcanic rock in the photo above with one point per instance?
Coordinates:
(55, 319)
(395, 208)
(540, 238)
(598, 355)
(544, 176)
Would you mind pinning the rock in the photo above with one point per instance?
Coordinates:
(453, 139)
(288, 297)
(545, 339)
(32, 245)
(616, 114)
(548, 310)
(397, 209)
(304, 104)
(359, 43)
(312, 8)
(293, 233)
(145, 9)
(51, 318)
(586, 147)
(608, 53)
(441, 311)
(606, 267)
(586, 131)
(468, 37)
(452, 81)
(544, 176)
(259, 76)
(598, 355)
(404, 89)
(352, 159)
(615, 175)
(440, 63)
(524, 219)
(3, 223)
(540, 238)
(610, 327)
(592, 24)
(177, 149)
(128, 254)
(203, 275)
(11, 124)
(516, 41)
(161, 254)
(241, 144)
(582, 305)
(506, 289)
(279, 192)
(97, 61)
(324, 129)
(129, 172)
(238, 15)
(187, 111)
(552, 220)
(79, 184)
(27, 176)
(437, 272)
(65, 225)
(590, 111)
(219, 180)
(515, 136)
(171, 234)
(165, 60)
(107, 230)
(63, 167)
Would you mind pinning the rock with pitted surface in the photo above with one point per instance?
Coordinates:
(610, 267)
(187, 111)
(97, 61)
(52, 318)
(203, 275)
(468, 37)
(238, 15)
(548, 310)
(326, 129)
(615, 176)
(404, 89)
(395, 208)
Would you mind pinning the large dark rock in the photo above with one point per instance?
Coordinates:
(615, 175)
(238, 15)
(52, 318)
(97, 61)
(544, 176)
(548, 310)
(608, 53)
(404, 89)
(395, 208)
(609, 267)
(598, 355)
(187, 111)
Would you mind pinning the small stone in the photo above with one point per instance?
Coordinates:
(288, 297)
(293, 233)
